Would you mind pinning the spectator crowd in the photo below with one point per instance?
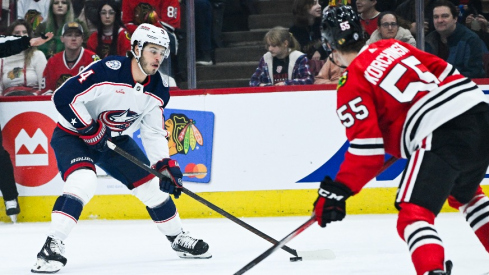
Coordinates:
(89, 30)
(454, 30)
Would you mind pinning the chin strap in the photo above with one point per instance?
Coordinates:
(137, 59)
(332, 60)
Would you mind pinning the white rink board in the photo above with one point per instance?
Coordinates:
(262, 141)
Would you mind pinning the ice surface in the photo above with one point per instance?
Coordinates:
(363, 244)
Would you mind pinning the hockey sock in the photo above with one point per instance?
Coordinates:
(166, 217)
(415, 226)
(476, 213)
(65, 215)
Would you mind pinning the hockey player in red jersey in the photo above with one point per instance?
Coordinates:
(109, 100)
(396, 99)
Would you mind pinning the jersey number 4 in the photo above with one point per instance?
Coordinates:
(83, 76)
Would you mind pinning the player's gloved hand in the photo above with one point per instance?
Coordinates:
(330, 204)
(96, 135)
(172, 182)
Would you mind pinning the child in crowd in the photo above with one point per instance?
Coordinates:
(283, 64)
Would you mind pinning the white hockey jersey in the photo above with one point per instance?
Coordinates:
(105, 90)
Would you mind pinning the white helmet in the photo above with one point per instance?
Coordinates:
(147, 33)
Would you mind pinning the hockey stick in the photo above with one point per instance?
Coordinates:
(299, 230)
(320, 254)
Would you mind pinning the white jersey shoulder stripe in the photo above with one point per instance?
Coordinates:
(436, 108)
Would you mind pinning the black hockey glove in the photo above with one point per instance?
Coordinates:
(96, 135)
(330, 204)
(172, 182)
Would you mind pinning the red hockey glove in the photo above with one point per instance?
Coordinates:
(96, 135)
(330, 204)
(172, 182)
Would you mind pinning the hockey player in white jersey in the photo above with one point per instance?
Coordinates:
(106, 101)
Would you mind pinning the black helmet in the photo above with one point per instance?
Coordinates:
(341, 26)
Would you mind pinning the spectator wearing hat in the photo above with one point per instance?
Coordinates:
(69, 62)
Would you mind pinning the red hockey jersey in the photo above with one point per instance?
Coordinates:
(390, 98)
(168, 11)
(57, 71)
(123, 43)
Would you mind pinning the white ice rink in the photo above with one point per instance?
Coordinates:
(363, 244)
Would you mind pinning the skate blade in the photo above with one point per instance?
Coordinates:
(42, 266)
(13, 218)
(185, 255)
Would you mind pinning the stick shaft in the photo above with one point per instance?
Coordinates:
(282, 242)
(198, 198)
(299, 230)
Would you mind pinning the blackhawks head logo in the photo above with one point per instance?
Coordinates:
(184, 135)
(342, 80)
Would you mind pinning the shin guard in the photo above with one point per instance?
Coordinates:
(65, 215)
(166, 217)
(476, 212)
(415, 226)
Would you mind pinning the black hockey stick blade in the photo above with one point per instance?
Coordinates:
(278, 245)
(307, 254)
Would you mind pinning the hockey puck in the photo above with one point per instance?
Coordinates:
(296, 259)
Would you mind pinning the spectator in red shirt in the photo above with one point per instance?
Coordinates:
(368, 15)
(69, 62)
(109, 26)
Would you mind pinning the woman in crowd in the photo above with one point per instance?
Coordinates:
(60, 12)
(388, 27)
(306, 28)
(111, 38)
(21, 74)
(283, 64)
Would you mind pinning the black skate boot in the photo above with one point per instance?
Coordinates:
(188, 247)
(448, 269)
(12, 209)
(49, 259)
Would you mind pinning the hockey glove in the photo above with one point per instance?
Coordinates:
(330, 204)
(172, 182)
(96, 135)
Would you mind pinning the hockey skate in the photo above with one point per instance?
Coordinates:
(188, 247)
(13, 209)
(448, 269)
(50, 258)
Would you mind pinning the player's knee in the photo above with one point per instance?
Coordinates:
(150, 194)
(411, 213)
(454, 203)
(81, 184)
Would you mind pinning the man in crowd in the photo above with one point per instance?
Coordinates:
(69, 62)
(368, 14)
(454, 43)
